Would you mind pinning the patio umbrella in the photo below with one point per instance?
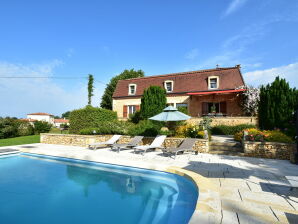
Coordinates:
(170, 113)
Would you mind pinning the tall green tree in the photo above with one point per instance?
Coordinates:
(277, 105)
(106, 100)
(90, 88)
(66, 114)
(153, 101)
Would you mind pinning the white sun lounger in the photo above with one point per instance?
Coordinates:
(110, 142)
(157, 143)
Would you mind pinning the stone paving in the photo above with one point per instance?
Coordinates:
(251, 190)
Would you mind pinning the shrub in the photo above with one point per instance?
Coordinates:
(42, 127)
(8, 127)
(190, 131)
(112, 127)
(25, 128)
(135, 117)
(145, 128)
(206, 123)
(89, 117)
(230, 130)
(254, 134)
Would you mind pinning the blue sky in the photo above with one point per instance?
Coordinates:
(74, 38)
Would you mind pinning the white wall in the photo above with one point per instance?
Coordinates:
(47, 118)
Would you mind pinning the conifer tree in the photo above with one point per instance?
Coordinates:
(153, 101)
(90, 88)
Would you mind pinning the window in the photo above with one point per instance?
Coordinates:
(170, 104)
(169, 85)
(209, 108)
(131, 109)
(213, 82)
(132, 89)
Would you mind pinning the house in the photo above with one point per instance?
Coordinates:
(58, 122)
(203, 92)
(41, 117)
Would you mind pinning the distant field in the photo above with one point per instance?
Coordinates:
(20, 140)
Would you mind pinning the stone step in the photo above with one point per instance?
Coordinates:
(225, 148)
(228, 153)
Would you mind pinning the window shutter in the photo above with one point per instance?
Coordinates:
(223, 107)
(137, 107)
(204, 108)
(124, 111)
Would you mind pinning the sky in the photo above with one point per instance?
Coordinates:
(75, 38)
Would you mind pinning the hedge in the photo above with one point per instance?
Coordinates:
(110, 127)
(89, 117)
(230, 130)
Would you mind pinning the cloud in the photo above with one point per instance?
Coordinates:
(234, 6)
(258, 77)
(192, 54)
(70, 52)
(19, 96)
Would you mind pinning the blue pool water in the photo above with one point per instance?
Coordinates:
(46, 190)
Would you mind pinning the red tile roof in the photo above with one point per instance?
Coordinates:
(61, 121)
(40, 113)
(184, 82)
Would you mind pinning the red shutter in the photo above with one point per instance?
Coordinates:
(137, 107)
(124, 111)
(204, 108)
(223, 107)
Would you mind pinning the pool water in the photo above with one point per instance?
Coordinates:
(45, 190)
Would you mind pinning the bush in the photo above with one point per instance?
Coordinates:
(113, 127)
(190, 131)
(42, 127)
(25, 128)
(254, 134)
(8, 127)
(230, 130)
(135, 117)
(89, 117)
(145, 128)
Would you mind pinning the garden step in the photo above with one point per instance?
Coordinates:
(225, 148)
(228, 153)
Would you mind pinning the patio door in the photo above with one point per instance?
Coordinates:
(214, 107)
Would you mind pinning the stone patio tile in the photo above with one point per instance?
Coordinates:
(269, 199)
(234, 183)
(293, 201)
(285, 216)
(230, 194)
(229, 217)
(255, 219)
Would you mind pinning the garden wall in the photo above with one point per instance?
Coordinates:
(201, 145)
(227, 120)
(270, 150)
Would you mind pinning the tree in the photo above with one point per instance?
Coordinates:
(106, 100)
(90, 88)
(277, 105)
(66, 114)
(153, 101)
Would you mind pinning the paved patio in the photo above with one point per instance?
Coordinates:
(250, 190)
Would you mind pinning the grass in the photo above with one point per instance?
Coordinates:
(20, 140)
(58, 131)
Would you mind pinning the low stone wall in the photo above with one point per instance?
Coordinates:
(226, 120)
(201, 145)
(269, 150)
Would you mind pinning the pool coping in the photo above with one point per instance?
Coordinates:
(208, 207)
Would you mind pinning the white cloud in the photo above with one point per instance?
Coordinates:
(192, 54)
(70, 52)
(234, 6)
(19, 96)
(258, 77)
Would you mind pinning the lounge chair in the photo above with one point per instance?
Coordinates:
(156, 144)
(133, 142)
(110, 142)
(186, 145)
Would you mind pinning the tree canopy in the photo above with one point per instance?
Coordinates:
(106, 100)
(153, 101)
(277, 105)
(90, 88)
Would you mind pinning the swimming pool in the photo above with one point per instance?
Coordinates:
(46, 190)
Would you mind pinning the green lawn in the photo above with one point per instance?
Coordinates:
(20, 140)
(58, 131)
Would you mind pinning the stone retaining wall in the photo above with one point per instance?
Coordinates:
(201, 145)
(227, 120)
(270, 150)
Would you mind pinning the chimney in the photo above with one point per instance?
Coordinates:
(238, 66)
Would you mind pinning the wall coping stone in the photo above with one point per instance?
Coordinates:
(268, 143)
